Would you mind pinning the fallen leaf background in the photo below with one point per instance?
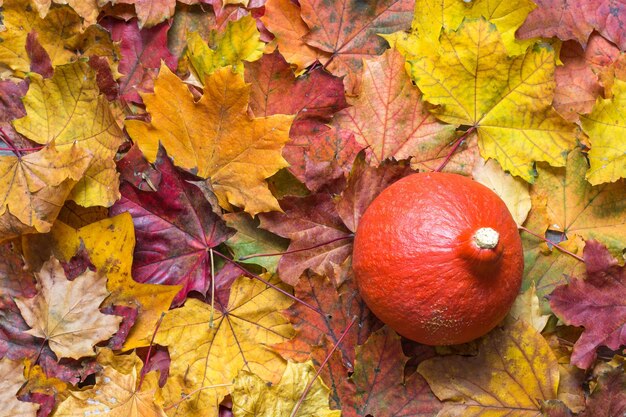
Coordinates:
(181, 183)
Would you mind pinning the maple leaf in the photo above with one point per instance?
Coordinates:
(319, 239)
(175, 230)
(252, 397)
(608, 398)
(215, 137)
(511, 190)
(54, 34)
(596, 303)
(11, 382)
(382, 121)
(315, 330)
(116, 392)
(605, 125)
(65, 313)
(378, 386)
(316, 153)
(251, 239)
(109, 244)
(239, 42)
(88, 9)
(142, 52)
(577, 208)
(347, 31)
(579, 79)
(513, 373)
(508, 100)
(35, 187)
(225, 340)
(69, 111)
(149, 12)
(282, 18)
(575, 19)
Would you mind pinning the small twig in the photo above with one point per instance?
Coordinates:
(145, 366)
(562, 249)
(280, 290)
(319, 370)
(212, 288)
(259, 255)
(456, 146)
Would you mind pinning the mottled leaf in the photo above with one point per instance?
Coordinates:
(609, 396)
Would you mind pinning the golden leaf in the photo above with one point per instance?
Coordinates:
(514, 372)
(606, 127)
(526, 307)
(116, 393)
(253, 397)
(110, 244)
(68, 110)
(508, 100)
(11, 379)
(66, 313)
(87, 9)
(215, 137)
(225, 340)
(35, 187)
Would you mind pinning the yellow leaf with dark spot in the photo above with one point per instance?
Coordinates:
(215, 137)
(240, 42)
(514, 372)
(219, 342)
(68, 110)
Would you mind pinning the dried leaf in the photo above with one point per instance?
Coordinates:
(609, 396)
(526, 307)
(252, 397)
(65, 313)
(69, 111)
(12, 378)
(514, 372)
(215, 137)
(596, 303)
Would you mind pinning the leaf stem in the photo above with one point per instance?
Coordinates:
(259, 255)
(9, 142)
(456, 146)
(319, 370)
(212, 288)
(562, 249)
(280, 290)
(145, 366)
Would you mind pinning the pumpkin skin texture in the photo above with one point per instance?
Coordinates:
(419, 268)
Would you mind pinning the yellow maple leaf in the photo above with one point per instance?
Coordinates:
(54, 33)
(35, 186)
(514, 372)
(116, 392)
(431, 16)
(224, 342)
(606, 127)
(253, 397)
(575, 207)
(109, 244)
(12, 379)
(66, 313)
(215, 137)
(68, 110)
(508, 100)
(239, 42)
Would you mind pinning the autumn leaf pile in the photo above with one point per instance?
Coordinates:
(181, 183)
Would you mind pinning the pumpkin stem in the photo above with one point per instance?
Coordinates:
(486, 238)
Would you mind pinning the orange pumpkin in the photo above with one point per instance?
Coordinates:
(438, 258)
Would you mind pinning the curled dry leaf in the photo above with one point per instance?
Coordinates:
(66, 313)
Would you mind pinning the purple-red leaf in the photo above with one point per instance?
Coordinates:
(11, 106)
(142, 53)
(175, 227)
(598, 303)
(316, 232)
(609, 396)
